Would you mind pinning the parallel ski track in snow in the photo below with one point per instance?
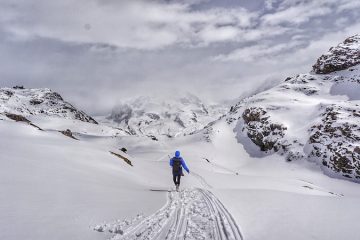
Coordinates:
(191, 214)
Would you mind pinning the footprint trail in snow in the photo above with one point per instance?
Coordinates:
(191, 214)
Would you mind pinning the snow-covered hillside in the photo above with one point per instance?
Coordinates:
(47, 110)
(312, 116)
(154, 117)
(27, 102)
(56, 187)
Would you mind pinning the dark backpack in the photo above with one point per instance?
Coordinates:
(177, 165)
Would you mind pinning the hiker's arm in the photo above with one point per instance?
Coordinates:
(184, 165)
(171, 162)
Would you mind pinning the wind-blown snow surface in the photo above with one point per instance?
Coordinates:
(56, 187)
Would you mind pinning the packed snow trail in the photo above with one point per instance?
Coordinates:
(191, 214)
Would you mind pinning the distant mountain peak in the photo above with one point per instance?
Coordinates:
(38, 101)
(155, 116)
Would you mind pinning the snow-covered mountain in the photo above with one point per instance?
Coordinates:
(43, 102)
(64, 184)
(154, 117)
(47, 110)
(313, 116)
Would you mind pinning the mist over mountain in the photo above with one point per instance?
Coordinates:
(155, 116)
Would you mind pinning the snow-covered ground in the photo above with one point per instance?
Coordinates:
(53, 186)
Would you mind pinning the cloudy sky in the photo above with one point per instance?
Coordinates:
(97, 53)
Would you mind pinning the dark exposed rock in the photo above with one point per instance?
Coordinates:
(17, 118)
(122, 157)
(154, 138)
(36, 101)
(8, 93)
(262, 131)
(80, 115)
(18, 87)
(345, 55)
(294, 156)
(53, 96)
(123, 149)
(334, 141)
(20, 118)
(153, 116)
(179, 121)
(69, 134)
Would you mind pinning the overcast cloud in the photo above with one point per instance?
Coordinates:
(97, 53)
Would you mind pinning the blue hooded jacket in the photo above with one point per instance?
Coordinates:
(183, 164)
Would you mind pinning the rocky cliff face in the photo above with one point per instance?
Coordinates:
(261, 131)
(313, 116)
(343, 56)
(335, 140)
(27, 102)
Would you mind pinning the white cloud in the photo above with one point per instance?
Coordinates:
(127, 24)
(296, 14)
(142, 24)
(255, 52)
(349, 5)
(128, 48)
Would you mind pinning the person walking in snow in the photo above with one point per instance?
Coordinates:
(177, 163)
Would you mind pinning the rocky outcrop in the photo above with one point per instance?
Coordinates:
(128, 161)
(17, 118)
(345, 55)
(285, 119)
(20, 118)
(262, 131)
(335, 141)
(69, 134)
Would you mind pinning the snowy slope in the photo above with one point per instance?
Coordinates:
(153, 116)
(56, 187)
(309, 116)
(47, 110)
(43, 102)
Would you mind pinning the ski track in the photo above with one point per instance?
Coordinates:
(202, 181)
(191, 214)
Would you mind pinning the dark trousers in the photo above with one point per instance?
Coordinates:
(176, 179)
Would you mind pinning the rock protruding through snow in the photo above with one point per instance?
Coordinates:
(341, 57)
(335, 141)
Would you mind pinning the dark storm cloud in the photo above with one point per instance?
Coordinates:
(97, 53)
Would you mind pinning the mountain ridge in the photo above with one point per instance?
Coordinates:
(153, 116)
(312, 116)
(39, 101)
